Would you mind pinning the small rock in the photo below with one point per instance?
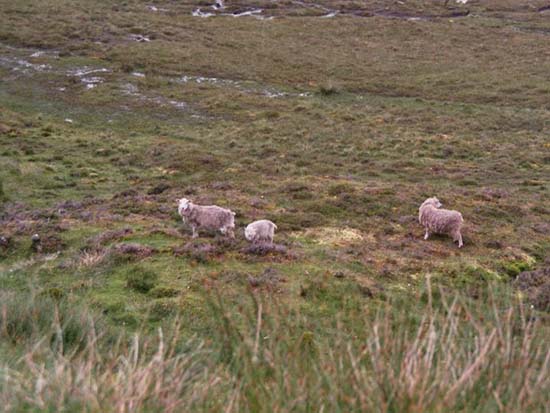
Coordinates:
(4, 241)
(36, 246)
(339, 274)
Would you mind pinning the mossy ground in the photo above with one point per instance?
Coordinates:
(336, 129)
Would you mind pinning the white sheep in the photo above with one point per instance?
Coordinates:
(440, 221)
(207, 216)
(260, 231)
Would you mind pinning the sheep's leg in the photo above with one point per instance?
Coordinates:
(195, 232)
(427, 234)
(231, 233)
(457, 237)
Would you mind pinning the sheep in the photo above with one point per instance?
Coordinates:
(262, 230)
(440, 221)
(208, 217)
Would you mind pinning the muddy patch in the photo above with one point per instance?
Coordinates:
(313, 10)
(132, 90)
(200, 13)
(244, 86)
(220, 11)
(54, 74)
(32, 61)
(22, 65)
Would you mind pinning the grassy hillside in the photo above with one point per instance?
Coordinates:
(336, 128)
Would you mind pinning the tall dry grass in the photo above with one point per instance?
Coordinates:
(457, 356)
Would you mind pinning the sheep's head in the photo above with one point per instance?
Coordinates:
(183, 205)
(433, 201)
(249, 233)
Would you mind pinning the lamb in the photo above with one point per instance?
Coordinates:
(208, 217)
(440, 221)
(258, 231)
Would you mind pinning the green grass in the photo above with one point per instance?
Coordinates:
(335, 129)
(407, 355)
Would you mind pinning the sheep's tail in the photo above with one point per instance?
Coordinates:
(274, 226)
